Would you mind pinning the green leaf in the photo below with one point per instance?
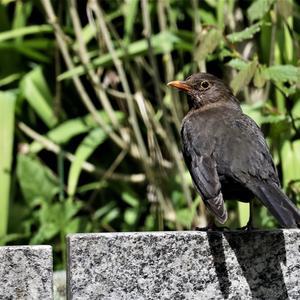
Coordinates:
(254, 111)
(282, 73)
(245, 34)
(208, 43)
(258, 9)
(110, 216)
(64, 132)
(185, 216)
(130, 199)
(103, 210)
(290, 161)
(95, 138)
(207, 17)
(259, 78)
(22, 12)
(36, 180)
(237, 63)
(7, 117)
(36, 91)
(130, 13)
(244, 77)
(10, 78)
(130, 216)
(55, 218)
(244, 213)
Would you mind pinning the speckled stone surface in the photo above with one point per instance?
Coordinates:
(26, 272)
(185, 265)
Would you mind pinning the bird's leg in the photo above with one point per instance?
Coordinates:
(211, 226)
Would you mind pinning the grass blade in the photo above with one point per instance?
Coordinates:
(84, 150)
(7, 115)
(36, 92)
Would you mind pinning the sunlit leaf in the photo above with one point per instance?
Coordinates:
(110, 216)
(243, 78)
(282, 73)
(185, 216)
(103, 210)
(7, 117)
(244, 213)
(290, 161)
(259, 78)
(130, 199)
(237, 63)
(130, 216)
(130, 12)
(64, 132)
(36, 91)
(208, 43)
(207, 17)
(258, 9)
(95, 138)
(245, 34)
(56, 217)
(9, 79)
(36, 180)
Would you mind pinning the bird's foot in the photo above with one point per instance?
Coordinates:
(249, 227)
(212, 228)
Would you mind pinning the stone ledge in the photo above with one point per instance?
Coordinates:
(185, 265)
(26, 272)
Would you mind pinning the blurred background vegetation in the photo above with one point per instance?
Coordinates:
(89, 131)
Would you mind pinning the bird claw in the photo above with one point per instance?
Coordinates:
(212, 228)
(248, 227)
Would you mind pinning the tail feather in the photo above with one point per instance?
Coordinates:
(280, 206)
(217, 208)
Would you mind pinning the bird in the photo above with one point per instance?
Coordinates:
(226, 153)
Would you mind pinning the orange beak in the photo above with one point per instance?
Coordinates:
(181, 85)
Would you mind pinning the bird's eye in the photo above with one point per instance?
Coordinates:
(204, 84)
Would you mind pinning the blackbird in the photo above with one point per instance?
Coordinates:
(226, 153)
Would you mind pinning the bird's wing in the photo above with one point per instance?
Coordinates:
(249, 153)
(205, 177)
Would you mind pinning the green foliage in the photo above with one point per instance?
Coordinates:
(244, 77)
(37, 182)
(245, 34)
(161, 42)
(35, 90)
(258, 9)
(208, 43)
(7, 115)
(282, 73)
(93, 139)
(96, 136)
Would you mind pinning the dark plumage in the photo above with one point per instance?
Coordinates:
(226, 153)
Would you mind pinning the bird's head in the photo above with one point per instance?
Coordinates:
(204, 88)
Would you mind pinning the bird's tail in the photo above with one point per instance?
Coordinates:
(280, 206)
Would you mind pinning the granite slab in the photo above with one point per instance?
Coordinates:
(184, 265)
(26, 272)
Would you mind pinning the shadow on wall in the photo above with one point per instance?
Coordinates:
(261, 267)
